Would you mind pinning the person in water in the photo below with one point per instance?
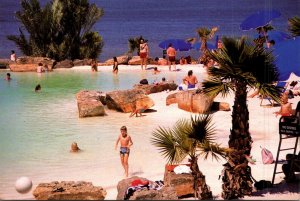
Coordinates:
(125, 144)
(38, 88)
(115, 66)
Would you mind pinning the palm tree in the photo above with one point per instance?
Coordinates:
(264, 31)
(191, 138)
(294, 26)
(204, 35)
(134, 44)
(241, 65)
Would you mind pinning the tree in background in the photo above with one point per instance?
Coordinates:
(134, 45)
(61, 30)
(294, 26)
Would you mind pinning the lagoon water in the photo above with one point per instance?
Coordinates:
(158, 20)
(37, 129)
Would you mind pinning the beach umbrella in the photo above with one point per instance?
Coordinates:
(259, 19)
(197, 46)
(287, 58)
(178, 44)
(277, 36)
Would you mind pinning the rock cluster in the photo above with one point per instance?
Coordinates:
(69, 190)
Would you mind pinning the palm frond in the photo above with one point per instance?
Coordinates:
(168, 145)
(214, 150)
(294, 26)
(215, 86)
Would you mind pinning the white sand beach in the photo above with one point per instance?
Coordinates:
(146, 161)
(263, 129)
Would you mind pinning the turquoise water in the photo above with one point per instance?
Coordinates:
(37, 129)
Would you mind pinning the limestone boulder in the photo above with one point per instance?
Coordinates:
(183, 183)
(194, 102)
(166, 193)
(89, 103)
(22, 67)
(27, 64)
(220, 106)
(124, 184)
(155, 88)
(123, 59)
(171, 99)
(69, 190)
(128, 100)
(35, 60)
(64, 64)
(83, 62)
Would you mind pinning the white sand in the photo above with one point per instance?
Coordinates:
(263, 128)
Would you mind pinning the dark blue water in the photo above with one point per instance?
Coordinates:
(157, 20)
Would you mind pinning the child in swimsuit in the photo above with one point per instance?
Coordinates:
(126, 143)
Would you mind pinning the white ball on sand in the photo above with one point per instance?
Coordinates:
(23, 185)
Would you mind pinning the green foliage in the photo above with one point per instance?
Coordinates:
(241, 61)
(294, 26)
(61, 30)
(191, 137)
(134, 44)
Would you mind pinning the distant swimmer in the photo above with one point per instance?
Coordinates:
(38, 88)
(8, 78)
(74, 147)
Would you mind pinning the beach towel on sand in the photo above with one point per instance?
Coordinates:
(139, 185)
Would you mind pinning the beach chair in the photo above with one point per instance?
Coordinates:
(280, 84)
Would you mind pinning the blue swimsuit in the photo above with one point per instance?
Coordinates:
(124, 150)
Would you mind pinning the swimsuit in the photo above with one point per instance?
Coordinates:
(124, 150)
(191, 86)
(143, 55)
(115, 67)
(171, 58)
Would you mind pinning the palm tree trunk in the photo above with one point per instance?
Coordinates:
(202, 190)
(236, 178)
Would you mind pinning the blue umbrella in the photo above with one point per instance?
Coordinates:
(277, 36)
(178, 44)
(287, 56)
(197, 46)
(259, 19)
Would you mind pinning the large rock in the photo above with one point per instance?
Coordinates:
(128, 100)
(64, 64)
(136, 60)
(183, 183)
(166, 193)
(84, 62)
(171, 99)
(155, 88)
(194, 102)
(121, 60)
(220, 106)
(26, 64)
(89, 103)
(69, 190)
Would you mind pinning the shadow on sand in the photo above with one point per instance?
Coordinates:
(280, 188)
